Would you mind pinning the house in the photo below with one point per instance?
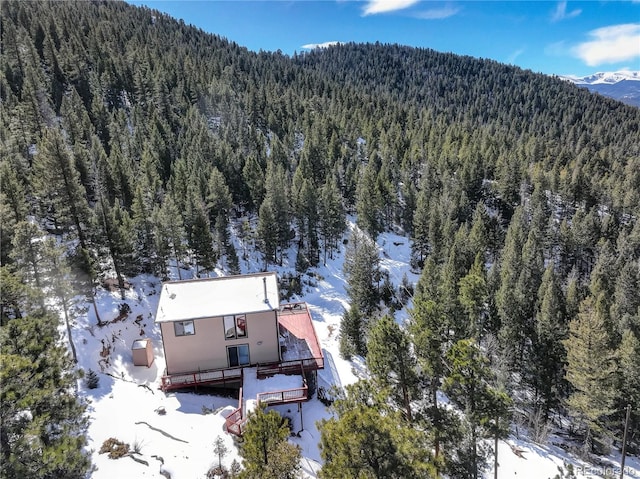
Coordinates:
(219, 323)
(215, 328)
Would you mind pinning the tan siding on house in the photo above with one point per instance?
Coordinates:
(207, 348)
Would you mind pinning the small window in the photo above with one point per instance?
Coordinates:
(235, 326)
(184, 328)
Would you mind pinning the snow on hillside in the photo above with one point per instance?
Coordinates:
(604, 77)
(174, 432)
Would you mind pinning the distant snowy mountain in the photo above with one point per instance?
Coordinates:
(622, 85)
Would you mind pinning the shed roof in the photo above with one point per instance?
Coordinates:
(214, 297)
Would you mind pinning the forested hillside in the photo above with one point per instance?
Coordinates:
(131, 141)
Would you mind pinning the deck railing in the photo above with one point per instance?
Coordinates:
(283, 397)
(235, 421)
(211, 376)
(290, 367)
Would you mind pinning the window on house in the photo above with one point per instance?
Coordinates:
(235, 326)
(184, 328)
(238, 355)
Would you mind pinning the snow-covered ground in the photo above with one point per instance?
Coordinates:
(174, 432)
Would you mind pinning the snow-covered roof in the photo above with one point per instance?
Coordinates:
(213, 297)
(140, 344)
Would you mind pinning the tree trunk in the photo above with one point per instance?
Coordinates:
(66, 320)
(436, 431)
(95, 306)
(495, 450)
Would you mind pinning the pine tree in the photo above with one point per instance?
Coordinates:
(265, 450)
(625, 307)
(629, 379)
(13, 207)
(220, 450)
(369, 203)
(200, 240)
(27, 254)
(43, 422)
(116, 231)
(58, 279)
(509, 298)
(468, 385)
(219, 203)
(430, 336)
(361, 268)
(479, 233)
(58, 181)
(362, 442)
(453, 270)
(332, 216)
(352, 333)
(590, 370)
(392, 364)
(267, 233)
(143, 230)
(473, 297)
(253, 175)
(548, 350)
(120, 171)
(16, 298)
(170, 233)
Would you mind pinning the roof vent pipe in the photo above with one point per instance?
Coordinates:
(264, 282)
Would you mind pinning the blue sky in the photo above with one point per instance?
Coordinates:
(553, 37)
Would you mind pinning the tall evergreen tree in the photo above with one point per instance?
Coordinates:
(332, 216)
(352, 333)
(265, 450)
(116, 231)
(58, 278)
(509, 298)
(58, 181)
(273, 219)
(468, 384)
(27, 253)
(430, 336)
(629, 379)
(392, 364)
(473, 297)
(199, 237)
(548, 349)
(368, 202)
(361, 268)
(267, 233)
(363, 442)
(591, 371)
(219, 203)
(13, 207)
(43, 422)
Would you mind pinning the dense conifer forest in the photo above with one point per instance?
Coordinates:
(131, 141)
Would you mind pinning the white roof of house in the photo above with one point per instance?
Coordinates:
(214, 297)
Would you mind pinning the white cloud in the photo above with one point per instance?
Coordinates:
(611, 44)
(562, 14)
(383, 6)
(311, 46)
(557, 49)
(512, 58)
(438, 13)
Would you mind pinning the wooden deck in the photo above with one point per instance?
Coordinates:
(237, 419)
(219, 377)
(296, 327)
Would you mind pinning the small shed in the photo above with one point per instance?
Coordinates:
(142, 352)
